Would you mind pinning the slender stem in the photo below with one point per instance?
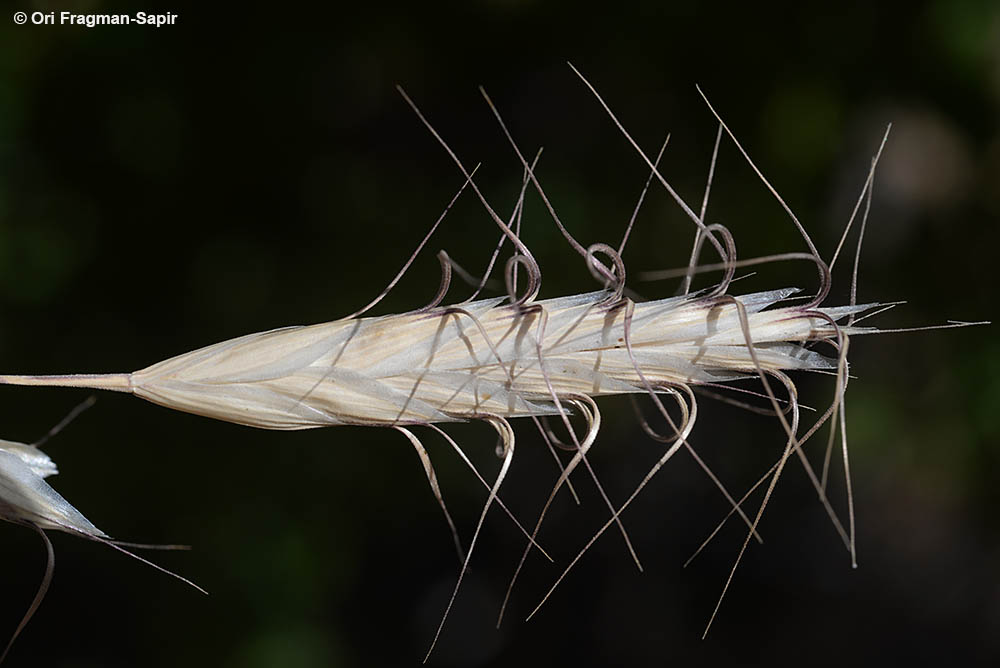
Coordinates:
(117, 382)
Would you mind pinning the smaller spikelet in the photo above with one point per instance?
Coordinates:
(27, 499)
(25, 496)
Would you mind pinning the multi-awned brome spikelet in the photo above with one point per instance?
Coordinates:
(484, 358)
(517, 356)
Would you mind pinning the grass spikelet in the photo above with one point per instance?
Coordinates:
(517, 356)
(447, 364)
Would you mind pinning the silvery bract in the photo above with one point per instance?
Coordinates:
(25, 497)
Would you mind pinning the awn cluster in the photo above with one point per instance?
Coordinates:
(512, 356)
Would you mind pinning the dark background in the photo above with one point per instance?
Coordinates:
(162, 189)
